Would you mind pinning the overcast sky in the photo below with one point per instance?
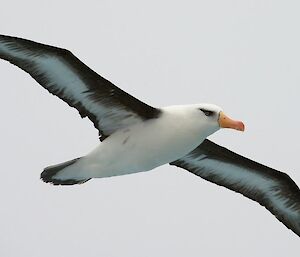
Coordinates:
(241, 55)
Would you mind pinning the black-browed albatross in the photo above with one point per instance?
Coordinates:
(143, 137)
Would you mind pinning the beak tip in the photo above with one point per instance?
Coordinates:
(242, 127)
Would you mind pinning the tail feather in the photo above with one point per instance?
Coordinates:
(49, 173)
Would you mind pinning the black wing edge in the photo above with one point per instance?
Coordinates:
(287, 189)
(100, 86)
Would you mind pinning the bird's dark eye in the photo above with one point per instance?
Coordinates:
(207, 112)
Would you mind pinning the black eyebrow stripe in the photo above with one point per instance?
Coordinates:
(204, 110)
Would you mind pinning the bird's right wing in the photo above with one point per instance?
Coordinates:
(65, 76)
(270, 188)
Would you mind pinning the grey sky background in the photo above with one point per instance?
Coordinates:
(241, 55)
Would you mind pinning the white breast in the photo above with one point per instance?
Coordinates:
(146, 145)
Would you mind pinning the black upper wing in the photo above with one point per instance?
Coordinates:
(271, 188)
(65, 76)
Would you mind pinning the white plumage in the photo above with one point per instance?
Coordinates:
(146, 145)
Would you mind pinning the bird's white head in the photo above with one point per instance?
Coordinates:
(215, 118)
(201, 119)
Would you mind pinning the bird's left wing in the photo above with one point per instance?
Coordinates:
(271, 188)
(64, 75)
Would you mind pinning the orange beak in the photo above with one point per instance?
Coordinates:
(226, 122)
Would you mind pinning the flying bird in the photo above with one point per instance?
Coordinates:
(138, 137)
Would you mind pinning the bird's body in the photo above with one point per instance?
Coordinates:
(143, 146)
(138, 137)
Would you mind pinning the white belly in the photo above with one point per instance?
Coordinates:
(143, 147)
